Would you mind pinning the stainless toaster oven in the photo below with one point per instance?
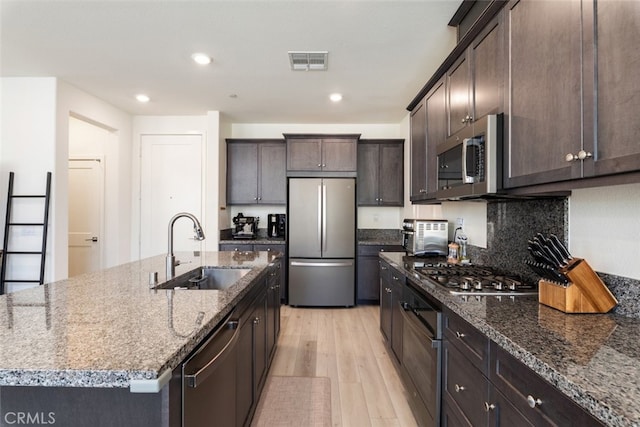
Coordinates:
(425, 237)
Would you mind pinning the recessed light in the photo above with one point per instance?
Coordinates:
(201, 58)
(142, 97)
(335, 97)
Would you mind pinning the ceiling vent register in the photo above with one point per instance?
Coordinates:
(308, 61)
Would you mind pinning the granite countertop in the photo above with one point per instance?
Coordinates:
(109, 329)
(379, 241)
(594, 359)
(260, 240)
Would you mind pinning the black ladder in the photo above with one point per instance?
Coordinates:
(7, 228)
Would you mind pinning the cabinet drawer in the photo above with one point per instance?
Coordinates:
(465, 385)
(231, 247)
(471, 342)
(524, 388)
(269, 248)
(374, 250)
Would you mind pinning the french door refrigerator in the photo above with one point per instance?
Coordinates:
(321, 237)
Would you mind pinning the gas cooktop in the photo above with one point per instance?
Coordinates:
(468, 279)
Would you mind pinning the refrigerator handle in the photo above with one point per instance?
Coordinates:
(320, 215)
(324, 218)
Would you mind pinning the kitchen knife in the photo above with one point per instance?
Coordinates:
(540, 257)
(549, 250)
(560, 247)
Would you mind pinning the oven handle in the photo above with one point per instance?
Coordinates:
(195, 379)
(412, 320)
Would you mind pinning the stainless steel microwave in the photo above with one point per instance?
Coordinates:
(470, 162)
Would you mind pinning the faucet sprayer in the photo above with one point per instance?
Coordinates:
(199, 235)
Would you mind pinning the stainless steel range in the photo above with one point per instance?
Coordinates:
(475, 280)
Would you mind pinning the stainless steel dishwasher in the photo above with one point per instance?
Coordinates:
(422, 354)
(209, 380)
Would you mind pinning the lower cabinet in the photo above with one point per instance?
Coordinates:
(498, 390)
(391, 289)
(368, 285)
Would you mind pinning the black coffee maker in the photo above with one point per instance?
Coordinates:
(276, 225)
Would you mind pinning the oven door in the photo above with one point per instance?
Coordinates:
(422, 359)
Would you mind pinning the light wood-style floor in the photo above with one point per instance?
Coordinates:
(345, 345)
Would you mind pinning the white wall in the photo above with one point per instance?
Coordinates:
(604, 228)
(368, 217)
(28, 148)
(35, 139)
(73, 102)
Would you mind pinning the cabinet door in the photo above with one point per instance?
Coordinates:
(272, 180)
(273, 309)
(618, 98)
(458, 95)
(544, 121)
(245, 397)
(259, 319)
(419, 152)
(397, 285)
(465, 385)
(304, 154)
(487, 56)
(385, 300)
(391, 179)
(368, 279)
(436, 133)
(242, 173)
(368, 174)
(339, 154)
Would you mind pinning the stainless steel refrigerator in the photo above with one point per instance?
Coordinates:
(321, 237)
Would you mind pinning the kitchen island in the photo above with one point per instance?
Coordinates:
(110, 330)
(594, 359)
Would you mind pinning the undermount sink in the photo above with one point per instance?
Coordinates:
(211, 278)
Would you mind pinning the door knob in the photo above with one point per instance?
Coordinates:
(93, 239)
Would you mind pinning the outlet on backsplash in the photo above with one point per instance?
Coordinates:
(460, 223)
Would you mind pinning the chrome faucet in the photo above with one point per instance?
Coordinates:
(199, 235)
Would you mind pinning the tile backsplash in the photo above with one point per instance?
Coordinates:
(510, 224)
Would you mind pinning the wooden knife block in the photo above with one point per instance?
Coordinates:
(585, 293)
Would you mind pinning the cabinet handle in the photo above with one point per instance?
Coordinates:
(459, 388)
(383, 268)
(459, 335)
(381, 250)
(319, 165)
(395, 278)
(489, 406)
(324, 166)
(422, 190)
(388, 290)
(570, 157)
(533, 402)
(256, 320)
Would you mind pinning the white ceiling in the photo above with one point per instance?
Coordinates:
(381, 53)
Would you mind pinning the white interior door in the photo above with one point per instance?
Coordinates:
(86, 184)
(171, 182)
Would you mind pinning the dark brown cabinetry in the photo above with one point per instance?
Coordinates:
(274, 283)
(561, 92)
(428, 128)
(544, 121)
(368, 289)
(391, 286)
(256, 172)
(321, 153)
(381, 172)
(615, 147)
(483, 385)
(474, 81)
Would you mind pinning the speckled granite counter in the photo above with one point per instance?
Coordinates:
(108, 329)
(257, 241)
(593, 359)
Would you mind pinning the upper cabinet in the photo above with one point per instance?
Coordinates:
(544, 119)
(256, 171)
(474, 81)
(572, 104)
(381, 172)
(321, 153)
(617, 61)
(565, 75)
